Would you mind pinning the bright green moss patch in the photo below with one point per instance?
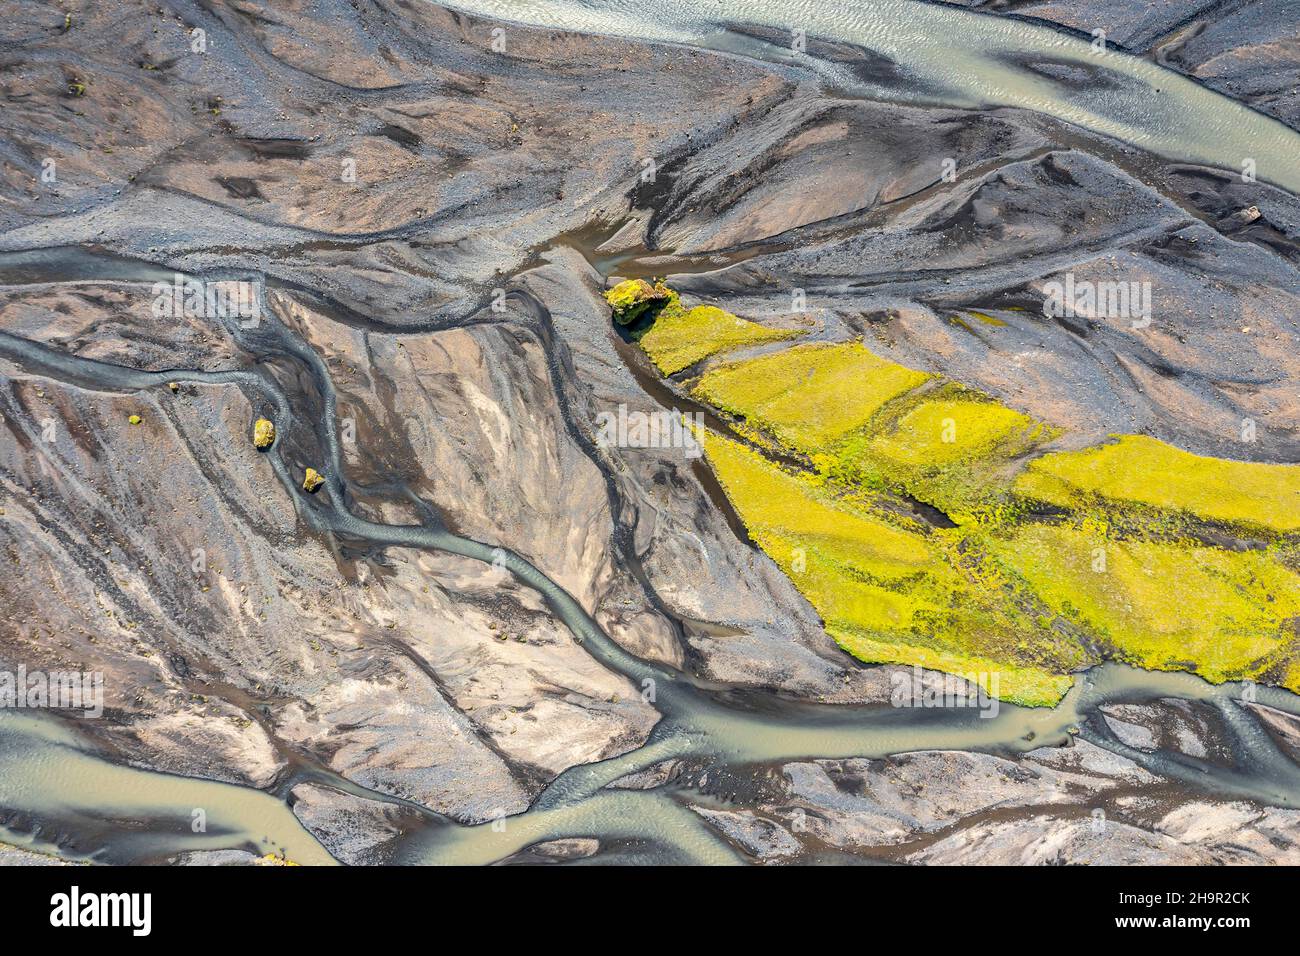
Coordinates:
(889, 594)
(956, 451)
(681, 337)
(947, 431)
(808, 396)
(1030, 686)
(792, 507)
(1141, 470)
(1225, 615)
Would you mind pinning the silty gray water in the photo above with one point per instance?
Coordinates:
(953, 57)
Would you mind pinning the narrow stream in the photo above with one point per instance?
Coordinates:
(952, 57)
(50, 774)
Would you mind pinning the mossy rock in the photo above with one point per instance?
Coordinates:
(633, 298)
(263, 433)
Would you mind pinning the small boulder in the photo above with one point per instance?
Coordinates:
(313, 480)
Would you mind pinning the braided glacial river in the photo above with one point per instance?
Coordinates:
(54, 782)
(57, 784)
(953, 57)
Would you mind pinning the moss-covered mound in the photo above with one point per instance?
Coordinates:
(679, 337)
(632, 299)
(1053, 561)
(1140, 470)
(891, 592)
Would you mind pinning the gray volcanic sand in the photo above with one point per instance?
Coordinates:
(239, 644)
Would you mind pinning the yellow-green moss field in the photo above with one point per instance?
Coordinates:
(1163, 606)
(955, 449)
(1121, 569)
(807, 396)
(1140, 470)
(889, 594)
(680, 337)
